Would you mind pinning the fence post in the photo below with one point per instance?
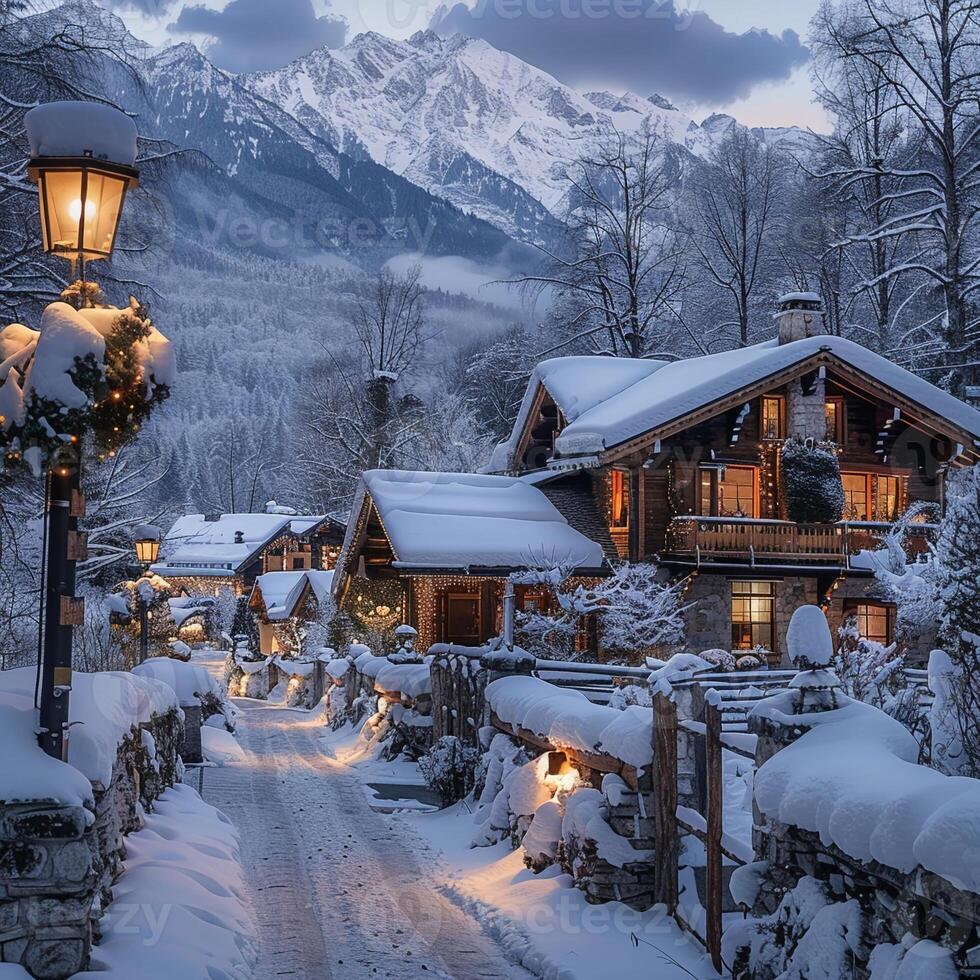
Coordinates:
(715, 806)
(667, 853)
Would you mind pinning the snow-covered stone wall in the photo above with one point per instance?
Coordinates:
(63, 825)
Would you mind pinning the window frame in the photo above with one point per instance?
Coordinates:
(854, 607)
(872, 496)
(839, 435)
(714, 474)
(753, 592)
(780, 401)
(621, 476)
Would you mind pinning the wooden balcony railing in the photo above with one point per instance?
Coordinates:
(759, 541)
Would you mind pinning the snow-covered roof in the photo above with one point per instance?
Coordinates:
(282, 591)
(576, 384)
(668, 392)
(196, 545)
(461, 521)
(200, 546)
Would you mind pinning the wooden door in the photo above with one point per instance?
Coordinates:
(463, 616)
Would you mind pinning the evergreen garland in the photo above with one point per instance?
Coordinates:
(811, 475)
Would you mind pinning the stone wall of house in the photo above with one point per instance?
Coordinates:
(58, 863)
(710, 617)
(807, 410)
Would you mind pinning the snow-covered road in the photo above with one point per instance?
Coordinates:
(335, 892)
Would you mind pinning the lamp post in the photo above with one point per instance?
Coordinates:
(146, 541)
(82, 157)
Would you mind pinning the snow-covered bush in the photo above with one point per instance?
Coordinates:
(751, 661)
(875, 674)
(722, 659)
(811, 475)
(629, 695)
(636, 613)
(811, 935)
(449, 768)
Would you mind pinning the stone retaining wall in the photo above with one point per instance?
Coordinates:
(58, 863)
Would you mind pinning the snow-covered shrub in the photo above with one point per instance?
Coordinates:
(449, 768)
(722, 659)
(627, 695)
(875, 674)
(549, 637)
(811, 936)
(504, 756)
(751, 661)
(811, 475)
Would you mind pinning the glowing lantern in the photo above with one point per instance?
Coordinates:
(82, 157)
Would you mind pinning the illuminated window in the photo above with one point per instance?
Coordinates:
(773, 418)
(834, 410)
(856, 496)
(874, 622)
(619, 510)
(888, 498)
(729, 491)
(753, 615)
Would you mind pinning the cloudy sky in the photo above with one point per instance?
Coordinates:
(746, 57)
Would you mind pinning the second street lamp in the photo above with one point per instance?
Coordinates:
(146, 541)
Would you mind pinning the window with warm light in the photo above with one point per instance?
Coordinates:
(856, 496)
(874, 622)
(619, 503)
(834, 411)
(753, 615)
(888, 498)
(730, 491)
(773, 418)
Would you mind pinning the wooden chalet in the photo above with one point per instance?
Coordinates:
(435, 549)
(683, 460)
(204, 553)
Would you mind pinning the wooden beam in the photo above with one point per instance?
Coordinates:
(715, 807)
(667, 850)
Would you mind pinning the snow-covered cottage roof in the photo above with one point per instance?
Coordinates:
(222, 544)
(282, 592)
(198, 545)
(664, 393)
(466, 521)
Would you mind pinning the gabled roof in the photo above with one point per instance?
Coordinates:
(282, 592)
(668, 392)
(199, 546)
(575, 384)
(463, 521)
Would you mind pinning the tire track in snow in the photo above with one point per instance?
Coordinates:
(338, 889)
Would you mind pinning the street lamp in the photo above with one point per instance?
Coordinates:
(146, 541)
(82, 157)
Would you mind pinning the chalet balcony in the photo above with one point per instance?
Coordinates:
(760, 542)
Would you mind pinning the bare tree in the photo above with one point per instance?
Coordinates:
(623, 264)
(734, 200)
(921, 58)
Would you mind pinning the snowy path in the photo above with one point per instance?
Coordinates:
(335, 894)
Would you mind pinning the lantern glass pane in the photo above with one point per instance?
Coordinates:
(147, 551)
(75, 218)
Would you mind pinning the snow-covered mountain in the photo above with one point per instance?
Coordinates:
(475, 125)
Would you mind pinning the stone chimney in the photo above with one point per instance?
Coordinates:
(799, 315)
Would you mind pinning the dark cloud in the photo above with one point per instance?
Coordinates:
(642, 45)
(252, 35)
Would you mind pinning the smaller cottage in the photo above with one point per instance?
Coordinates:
(283, 601)
(204, 553)
(435, 549)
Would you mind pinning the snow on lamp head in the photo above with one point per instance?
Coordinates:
(82, 159)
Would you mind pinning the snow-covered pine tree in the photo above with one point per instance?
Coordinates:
(811, 475)
(243, 625)
(957, 566)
